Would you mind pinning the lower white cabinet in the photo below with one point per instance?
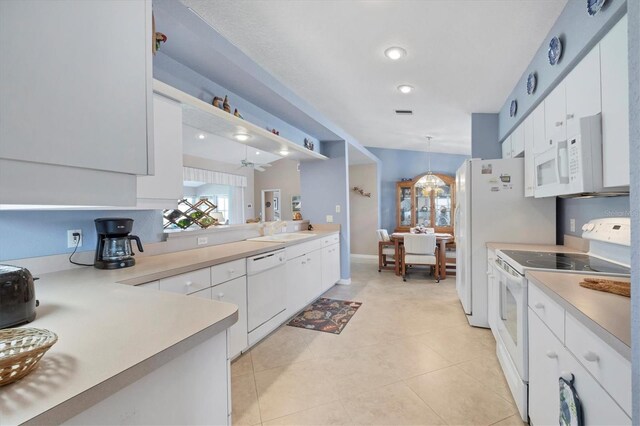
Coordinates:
(549, 360)
(187, 283)
(330, 266)
(235, 291)
(304, 281)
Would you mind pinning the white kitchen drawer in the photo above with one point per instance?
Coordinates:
(153, 284)
(204, 294)
(303, 248)
(609, 368)
(187, 283)
(228, 271)
(549, 311)
(331, 239)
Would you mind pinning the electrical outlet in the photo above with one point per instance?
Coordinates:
(337, 208)
(73, 240)
(202, 240)
(572, 225)
(329, 218)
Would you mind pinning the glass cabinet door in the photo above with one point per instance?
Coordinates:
(405, 206)
(423, 207)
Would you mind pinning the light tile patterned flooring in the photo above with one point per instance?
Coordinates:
(408, 356)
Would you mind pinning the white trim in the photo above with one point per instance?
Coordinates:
(210, 176)
(364, 258)
(344, 281)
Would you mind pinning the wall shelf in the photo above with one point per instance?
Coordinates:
(204, 116)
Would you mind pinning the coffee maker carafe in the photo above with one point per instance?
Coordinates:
(114, 243)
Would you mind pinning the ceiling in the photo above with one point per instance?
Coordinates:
(463, 56)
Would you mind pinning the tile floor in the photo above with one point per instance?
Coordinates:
(408, 356)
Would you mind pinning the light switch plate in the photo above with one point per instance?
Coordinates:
(329, 218)
(337, 208)
(572, 225)
(202, 240)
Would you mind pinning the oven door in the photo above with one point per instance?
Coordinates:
(511, 321)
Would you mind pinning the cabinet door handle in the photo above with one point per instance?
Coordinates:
(304, 263)
(551, 354)
(308, 260)
(559, 123)
(539, 305)
(570, 116)
(591, 356)
(188, 283)
(220, 296)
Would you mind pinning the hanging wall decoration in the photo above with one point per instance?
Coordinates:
(594, 6)
(531, 83)
(555, 50)
(361, 191)
(513, 109)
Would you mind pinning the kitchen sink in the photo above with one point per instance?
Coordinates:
(279, 238)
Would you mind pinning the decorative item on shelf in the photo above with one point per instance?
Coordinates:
(201, 213)
(555, 50)
(20, 351)
(297, 216)
(594, 6)
(157, 38)
(531, 83)
(361, 191)
(225, 104)
(217, 102)
(253, 220)
(513, 109)
(237, 113)
(308, 144)
(274, 131)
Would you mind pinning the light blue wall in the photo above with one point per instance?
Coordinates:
(578, 32)
(397, 164)
(42, 233)
(484, 136)
(323, 185)
(634, 151)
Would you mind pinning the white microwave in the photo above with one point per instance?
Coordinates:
(572, 166)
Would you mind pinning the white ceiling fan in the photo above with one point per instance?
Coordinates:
(251, 164)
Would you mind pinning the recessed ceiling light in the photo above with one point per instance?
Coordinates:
(257, 152)
(242, 137)
(201, 136)
(283, 152)
(395, 53)
(405, 88)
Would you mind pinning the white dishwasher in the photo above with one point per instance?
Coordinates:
(266, 292)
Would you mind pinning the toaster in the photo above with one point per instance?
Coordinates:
(17, 296)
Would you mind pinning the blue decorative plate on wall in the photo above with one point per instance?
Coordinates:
(555, 50)
(531, 83)
(513, 109)
(594, 6)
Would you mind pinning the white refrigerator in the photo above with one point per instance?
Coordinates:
(491, 207)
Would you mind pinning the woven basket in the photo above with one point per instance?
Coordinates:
(20, 351)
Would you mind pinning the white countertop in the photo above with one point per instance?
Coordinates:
(110, 334)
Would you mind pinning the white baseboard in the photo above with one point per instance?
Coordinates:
(364, 258)
(344, 281)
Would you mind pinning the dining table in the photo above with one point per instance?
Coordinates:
(441, 241)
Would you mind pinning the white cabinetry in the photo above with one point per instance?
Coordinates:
(529, 163)
(76, 116)
(303, 275)
(548, 361)
(164, 188)
(506, 148)
(555, 113)
(492, 291)
(615, 105)
(540, 142)
(582, 87)
(330, 266)
(235, 291)
(517, 142)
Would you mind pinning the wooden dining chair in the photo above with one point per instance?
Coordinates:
(420, 249)
(386, 248)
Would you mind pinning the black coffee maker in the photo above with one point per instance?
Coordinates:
(114, 243)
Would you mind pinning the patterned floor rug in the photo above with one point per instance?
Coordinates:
(328, 315)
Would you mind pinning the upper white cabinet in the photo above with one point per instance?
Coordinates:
(164, 188)
(615, 105)
(517, 142)
(75, 100)
(555, 113)
(540, 143)
(506, 148)
(529, 164)
(582, 87)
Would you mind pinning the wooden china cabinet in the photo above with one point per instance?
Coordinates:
(418, 204)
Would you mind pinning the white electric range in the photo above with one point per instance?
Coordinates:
(609, 254)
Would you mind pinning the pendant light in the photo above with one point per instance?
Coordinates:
(430, 182)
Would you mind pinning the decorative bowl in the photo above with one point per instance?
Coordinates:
(513, 109)
(531, 83)
(594, 6)
(20, 351)
(555, 50)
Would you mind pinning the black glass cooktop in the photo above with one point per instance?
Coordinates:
(565, 262)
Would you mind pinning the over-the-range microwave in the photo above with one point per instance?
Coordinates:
(574, 166)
